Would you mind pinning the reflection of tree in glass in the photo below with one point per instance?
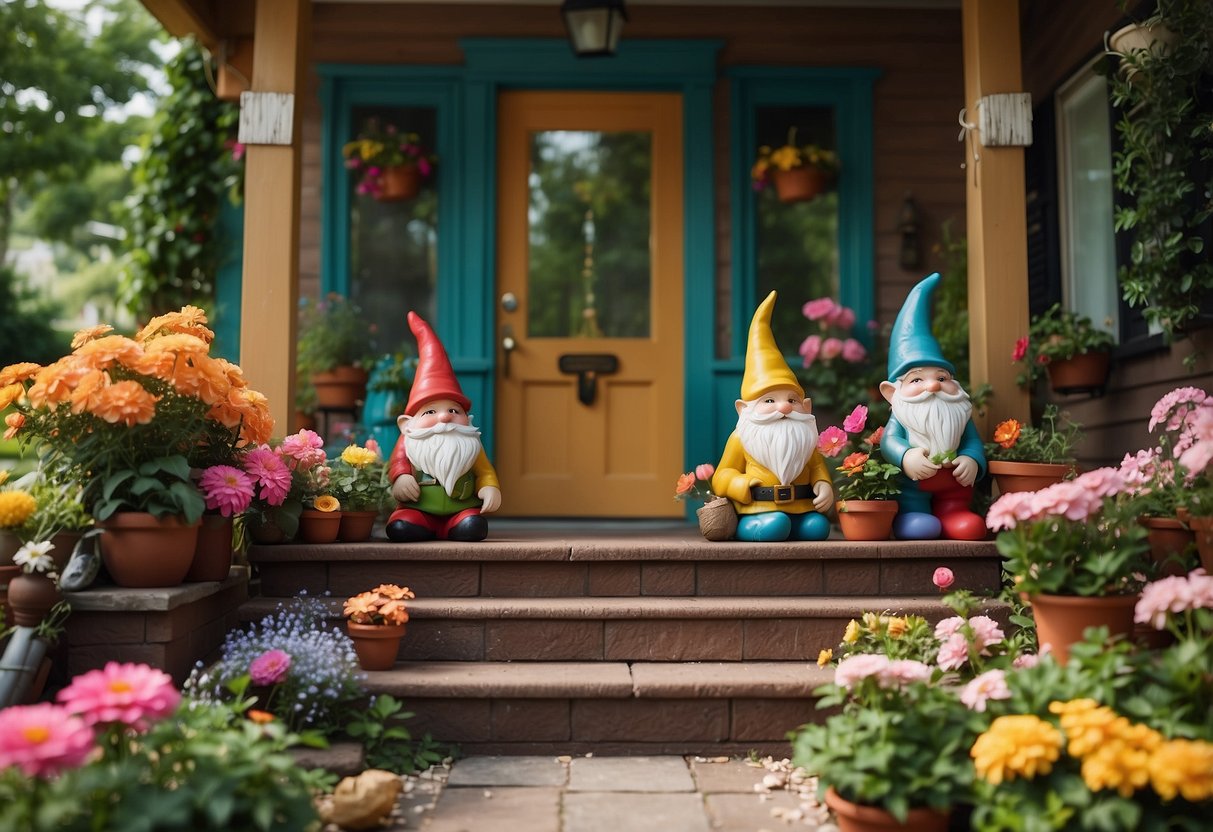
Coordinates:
(572, 173)
(797, 246)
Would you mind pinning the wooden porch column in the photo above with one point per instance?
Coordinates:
(996, 215)
(270, 288)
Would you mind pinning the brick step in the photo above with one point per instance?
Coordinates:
(520, 564)
(631, 629)
(606, 707)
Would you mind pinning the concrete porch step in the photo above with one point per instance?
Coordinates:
(630, 629)
(606, 707)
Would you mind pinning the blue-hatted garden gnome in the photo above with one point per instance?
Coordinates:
(441, 478)
(931, 435)
(771, 468)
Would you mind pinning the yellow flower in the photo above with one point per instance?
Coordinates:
(357, 457)
(1087, 724)
(825, 657)
(326, 502)
(898, 627)
(3, 477)
(786, 157)
(15, 508)
(1121, 764)
(852, 634)
(1016, 746)
(1183, 767)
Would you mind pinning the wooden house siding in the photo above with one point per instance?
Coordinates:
(916, 101)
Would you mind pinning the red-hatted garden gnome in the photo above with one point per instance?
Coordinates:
(771, 468)
(442, 480)
(931, 435)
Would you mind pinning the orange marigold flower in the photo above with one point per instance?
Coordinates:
(394, 592)
(126, 402)
(1007, 433)
(88, 389)
(235, 375)
(189, 320)
(89, 333)
(326, 502)
(853, 464)
(16, 373)
(54, 383)
(110, 349)
(10, 394)
(685, 483)
(260, 717)
(213, 384)
(15, 422)
(365, 603)
(178, 342)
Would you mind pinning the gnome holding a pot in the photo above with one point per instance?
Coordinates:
(442, 481)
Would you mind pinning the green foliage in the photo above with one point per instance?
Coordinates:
(60, 508)
(388, 744)
(869, 479)
(162, 487)
(1166, 132)
(332, 332)
(1095, 557)
(360, 487)
(186, 173)
(27, 333)
(1058, 334)
(1048, 443)
(952, 302)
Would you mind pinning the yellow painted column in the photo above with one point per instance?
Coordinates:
(996, 213)
(270, 288)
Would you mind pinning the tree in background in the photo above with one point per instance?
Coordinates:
(27, 333)
(190, 166)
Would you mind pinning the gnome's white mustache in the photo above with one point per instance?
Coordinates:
(443, 427)
(775, 415)
(962, 396)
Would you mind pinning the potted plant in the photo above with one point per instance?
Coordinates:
(285, 478)
(1159, 168)
(359, 481)
(799, 171)
(128, 418)
(375, 621)
(389, 162)
(320, 520)
(387, 393)
(335, 344)
(717, 517)
(868, 485)
(1068, 348)
(1074, 553)
(1026, 458)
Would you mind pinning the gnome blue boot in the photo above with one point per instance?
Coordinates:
(768, 527)
(811, 526)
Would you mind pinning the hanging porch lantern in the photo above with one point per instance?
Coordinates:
(594, 26)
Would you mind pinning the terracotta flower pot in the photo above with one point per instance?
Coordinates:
(356, 526)
(799, 184)
(1061, 619)
(341, 388)
(1084, 373)
(263, 531)
(376, 644)
(867, 519)
(717, 519)
(65, 543)
(855, 817)
(1202, 530)
(319, 526)
(1027, 476)
(31, 597)
(1169, 542)
(399, 182)
(213, 555)
(142, 551)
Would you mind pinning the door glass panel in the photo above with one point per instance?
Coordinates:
(589, 219)
(394, 245)
(797, 243)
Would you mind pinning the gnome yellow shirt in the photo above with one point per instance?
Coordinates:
(738, 471)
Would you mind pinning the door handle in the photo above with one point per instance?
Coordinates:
(508, 345)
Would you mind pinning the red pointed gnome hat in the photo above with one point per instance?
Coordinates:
(434, 378)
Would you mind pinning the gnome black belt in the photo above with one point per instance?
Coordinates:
(780, 493)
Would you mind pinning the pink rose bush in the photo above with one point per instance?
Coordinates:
(836, 366)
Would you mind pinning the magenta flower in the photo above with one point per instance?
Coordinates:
(131, 694)
(43, 739)
(704, 471)
(809, 349)
(821, 308)
(943, 577)
(831, 441)
(857, 420)
(227, 490)
(853, 352)
(989, 685)
(270, 473)
(270, 668)
(1021, 349)
(831, 348)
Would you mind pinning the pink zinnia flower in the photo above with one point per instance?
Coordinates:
(1021, 349)
(305, 447)
(704, 471)
(43, 739)
(831, 348)
(944, 629)
(270, 473)
(857, 420)
(854, 669)
(989, 685)
(953, 653)
(270, 668)
(127, 693)
(809, 349)
(831, 441)
(902, 672)
(816, 310)
(227, 490)
(943, 577)
(853, 352)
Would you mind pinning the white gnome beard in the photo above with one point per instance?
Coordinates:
(935, 421)
(781, 445)
(445, 451)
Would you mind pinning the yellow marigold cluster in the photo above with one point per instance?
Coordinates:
(15, 508)
(1021, 745)
(357, 456)
(1182, 767)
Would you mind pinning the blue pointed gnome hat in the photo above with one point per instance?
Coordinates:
(911, 344)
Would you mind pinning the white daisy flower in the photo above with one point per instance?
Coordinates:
(35, 557)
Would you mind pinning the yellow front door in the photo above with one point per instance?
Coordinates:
(589, 312)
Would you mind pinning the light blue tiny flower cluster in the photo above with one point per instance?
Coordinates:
(324, 675)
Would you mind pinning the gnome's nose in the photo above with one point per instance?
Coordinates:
(445, 416)
(784, 407)
(932, 384)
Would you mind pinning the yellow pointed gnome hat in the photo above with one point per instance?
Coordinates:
(765, 369)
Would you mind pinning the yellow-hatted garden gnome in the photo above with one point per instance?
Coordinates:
(930, 436)
(771, 468)
(442, 481)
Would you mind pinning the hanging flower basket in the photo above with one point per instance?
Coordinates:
(799, 184)
(398, 183)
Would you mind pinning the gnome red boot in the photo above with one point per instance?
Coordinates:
(952, 507)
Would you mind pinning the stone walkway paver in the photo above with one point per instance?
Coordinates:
(611, 794)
